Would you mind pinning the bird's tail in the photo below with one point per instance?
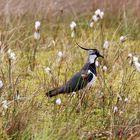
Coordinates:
(54, 92)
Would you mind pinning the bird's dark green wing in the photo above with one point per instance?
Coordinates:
(77, 82)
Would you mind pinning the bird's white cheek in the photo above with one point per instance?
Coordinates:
(92, 58)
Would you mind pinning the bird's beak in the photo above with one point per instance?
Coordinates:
(82, 47)
(101, 56)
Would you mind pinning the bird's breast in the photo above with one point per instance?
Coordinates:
(93, 79)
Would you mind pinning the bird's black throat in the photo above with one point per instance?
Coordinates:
(92, 68)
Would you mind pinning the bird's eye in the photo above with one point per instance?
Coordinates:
(97, 53)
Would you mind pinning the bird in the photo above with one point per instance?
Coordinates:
(85, 77)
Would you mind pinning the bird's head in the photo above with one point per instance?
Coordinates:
(93, 54)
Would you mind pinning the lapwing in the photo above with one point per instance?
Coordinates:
(85, 77)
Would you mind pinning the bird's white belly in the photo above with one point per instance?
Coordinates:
(93, 79)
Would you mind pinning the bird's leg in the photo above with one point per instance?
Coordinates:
(81, 99)
(89, 87)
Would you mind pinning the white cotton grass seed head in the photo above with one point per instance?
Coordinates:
(37, 25)
(115, 109)
(11, 55)
(58, 101)
(95, 18)
(73, 25)
(99, 13)
(126, 100)
(97, 63)
(5, 104)
(60, 54)
(130, 62)
(17, 97)
(119, 97)
(72, 34)
(123, 39)
(9, 51)
(104, 68)
(47, 70)
(36, 35)
(1, 84)
(91, 24)
(73, 94)
(106, 45)
(130, 55)
(136, 63)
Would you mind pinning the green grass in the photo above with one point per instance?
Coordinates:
(40, 118)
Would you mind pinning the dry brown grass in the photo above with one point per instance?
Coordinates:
(52, 8)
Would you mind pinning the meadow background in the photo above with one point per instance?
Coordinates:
(109, 110)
